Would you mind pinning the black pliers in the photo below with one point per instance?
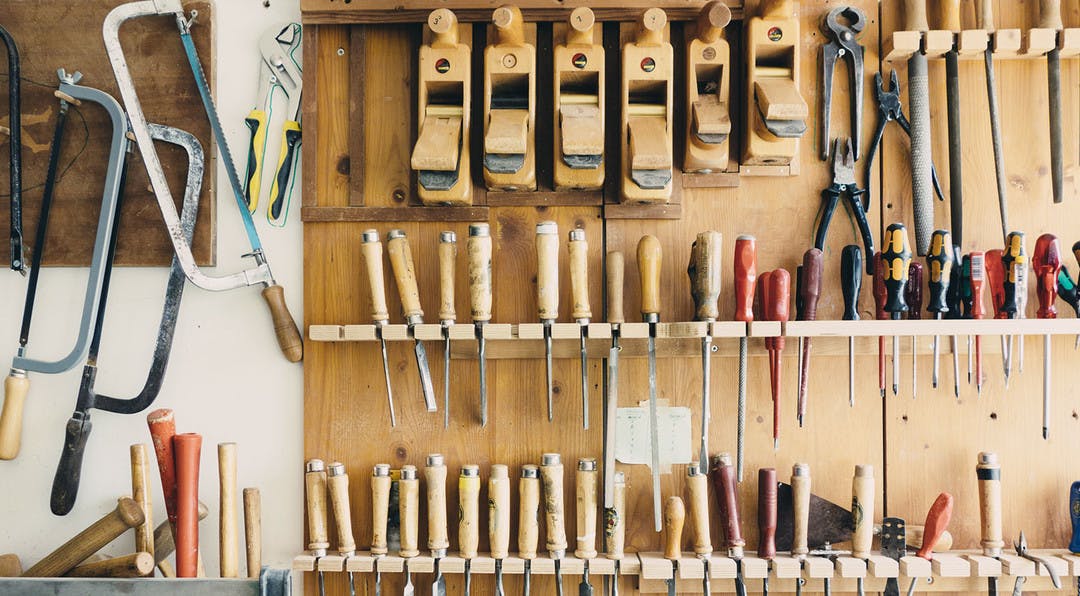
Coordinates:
(890, 109)
(843, 184)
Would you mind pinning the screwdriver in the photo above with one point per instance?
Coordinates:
(939, 263)
(953, 293)
(977, 269)
(371, 249)
(1076, 306)
(777, 300)
(704, 273)
(1014, 261)
(547, 291)
(809, 290)
(767, 489)
(966, 305)
(851, 284)
(913, 295)
(995, 277)
(745, 283)
(649, 258)
(479, 249)
(579, 287)
(1068, 292)
(725, 491)
(895, 260)
(447, 313)
(1047, 265)
(401, 261)
(880, 294)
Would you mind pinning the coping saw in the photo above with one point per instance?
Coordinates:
(15, 156)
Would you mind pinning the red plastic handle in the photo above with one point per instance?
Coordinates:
(745, 277)
(187, 448)
(767, 513)
(1047, 264)
(978, 284)
(995, 275)
(723, 476)
(937, 521)
(162, 429)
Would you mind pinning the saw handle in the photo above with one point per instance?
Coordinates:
(579, 274)
(800, 500)
(697, 488)
(127, 514)
(915, 15)
(528, 512)
(447, 261)
(704, 271)
(372, 250)
(288, 335)
(1050, 15)
(401, 261)
(767, 497)
(69, 471)
(723, 477)
(649, 256)
(745, 277)
(256, 123)
(937, 520)
(479, 249)
(281, 190)
(616, 266)
(16, 386)
(851, 280)
(674, 518)
(499, 511)
(409, 512)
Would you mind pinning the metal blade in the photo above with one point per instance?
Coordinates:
(425, 376)
(651, 179)
(706, 383)
(446, 378)
(468, 577)
(740, 583)
(741, 422)
(654, 433)
(584, 379)
(386, 375)
(499, 578)
(526, 583)
(671, 585)
(558, 577)
(585, 588)
(482, 351)
(438, 585)
(999, 152)
(408, 589)
(611, 412)
(547, 352)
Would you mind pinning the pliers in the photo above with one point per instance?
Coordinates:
(280, 69)
(843, 184)
(890, 109)
(1021, 550)
(842, 44)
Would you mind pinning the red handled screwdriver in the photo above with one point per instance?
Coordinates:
(1047, 265)
(810, 274)
(777, 302)
(1015, 261)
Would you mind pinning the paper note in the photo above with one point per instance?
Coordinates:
(632, 435)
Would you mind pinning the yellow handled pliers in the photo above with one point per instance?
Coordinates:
(280, 69)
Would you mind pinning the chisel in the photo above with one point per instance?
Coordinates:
(704, 272)
(371, 249)
(468, 519)
(810, 289)
(1050, 18)
(674, 518)
(401, 261)
(766, 520)
(615, 528)
(528, 520)
(745, 284)
(939, 264)
(438, 541)
(649, 257)
(862, 511)
(380, 510)
(723, 478)
(851, 285)
(318, 536)
(615, 266)
(800, 501)
(447, 313)
(586, 519)
(895, 260)
(409, 512)
(914, 297)
(499, 520)
(579, 288)
(697, 488)
(479, 248)
(989, 475)
(921, 138)
(1047, 265)
(547, 291)
(337, 483)
(551, 474)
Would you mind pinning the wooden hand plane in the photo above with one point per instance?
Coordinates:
(579, 103)
(708, 92)
(509, 105)
(647, 70)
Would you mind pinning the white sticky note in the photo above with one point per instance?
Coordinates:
(632, 435)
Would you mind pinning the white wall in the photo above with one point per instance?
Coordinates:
(226, 379)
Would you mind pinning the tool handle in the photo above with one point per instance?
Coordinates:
(939, 263)
(697, 488)
(851, 262)
(800, 500)
(164, 544)
(586, 478)
(615, 520)
(615, 268)
(16, 386)
(915, 15)
(977, 280)
(69, 470)
(315, 490)
(140, 492)
(547, 270)
(401, 262)
(581, 23)
(649, 256)
(948, 15)
(551, 475)
(509, 26)
(447, 262)
(372, 250)
(984, 15)
(1047, 265)
(650, 27)
(253, 531)
(162, 429)
(1050, 15)
(10, 565)
(479, 249)
(723, 477)
(704, 271)
(435, 476)
(444, 25)
(127, 514)
(1015, 263)
(380, 508)
(409, 511)
(288, 335)
(881, 292)
(337, 483)
(862, 510)
(469, 511)
(137, 564)
(767, 489)
(187, 448)
(674, 518)
(256, 123)
(281, 189)
(528, 512)
(989, 475)
(995, 277)
(579, 274)
(499, 511)
(712, 20)
(937, 520)
(745, 277)
(228, 555)
(895, 260)
(813, 270)
(778, 305)
(913, 293)
(1074, 516)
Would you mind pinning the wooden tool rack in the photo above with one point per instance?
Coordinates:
(359, 128)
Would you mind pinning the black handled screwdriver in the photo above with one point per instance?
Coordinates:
(939, 265)
(895, 260)
(851, 284)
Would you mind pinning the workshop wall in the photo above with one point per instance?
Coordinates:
(226, 379)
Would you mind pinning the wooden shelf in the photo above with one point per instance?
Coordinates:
(971, 44)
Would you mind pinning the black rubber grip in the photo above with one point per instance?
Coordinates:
(988, 473)
(277, 202)
(252, 161)
(69, 471)
(851, 280)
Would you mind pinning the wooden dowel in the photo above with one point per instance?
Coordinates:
(253, 531)
(227, 550)
(127, 514)
(140, 564)
(140, 493)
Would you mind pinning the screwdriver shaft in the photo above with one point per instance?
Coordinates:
(584, 378)
(978, 364)
(741, 417)
(956, 366)
(895, 364)
(851, 370)
(547, 357)
(914, 366)
(1046, 387)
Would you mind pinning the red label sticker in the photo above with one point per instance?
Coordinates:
(776, 34)
(442, 66)
(579, 60)
(648, 65)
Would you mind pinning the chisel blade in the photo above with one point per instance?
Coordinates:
(612, 409)
(386, 375)
(654, 434)
(482, 352)
(425, 376)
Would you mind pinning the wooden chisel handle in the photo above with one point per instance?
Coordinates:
(187, 448)
(578, 247)
(337, 485)
(948, 15)
(1050, 15)
(447, 262)
(724, 483)
(401, 262)
(140, 492)
(984, 15)
(862, 510)
(800, 500)
(615, 520)
(586, 509)
(528, 512)
(127, 514)
(435, 475)
(16, 386)
(649, 257)
(674, 518)
(228, 555)
(372, 250)
(547, 270)
(551, 474)
(409, 512)
(469, 511)
(937, 519)
(988, 472)
(288, 335)
(915, 15)
(315, 488)
(479, 249)
(138, 564)
(767, 513)
(615, 268)
(253, 531)
(697, 488)
(162, 430)
(499, 511)
(380, 507)
(704, 272)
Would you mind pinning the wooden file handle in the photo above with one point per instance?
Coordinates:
(337, 484)
(984, 15)
(674, 517)
(948, 15)
(704, 272)
(767, 513)
(1050, 15)
(989, 474)
(615, 268)
(551, 474)
(253, 531)
(547, 270)
(586, 509)
(127, 514)
(140, 492)
(288, 335)
(469, 511)
(409, 511)
(509, 26)
(862, 510)
(711, 21)
(162, 430)
(380, 507)
(650, 31)
(579, 275)
(698, 495)
(401, 262)
(528, 512)
(444, 25)
(615, 520)
(937, 519)
(447, 261)
(800, 499)
(138, 564)
(745, 277)
(435, 475)
(479, 249)
(724, 483)
(581, 23)
(371, 249)
(228, 555)
(187, 448)
(315, 488)
(499, 511)
(649, 256)
(16, 386)
(915, 15)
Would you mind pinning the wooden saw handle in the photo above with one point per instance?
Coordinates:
(447, 262)
(469, 511)
(228, 555)
(435, 475)
(479, 249)
(127, 514)
(615, 268)
(674, 518)
(586, 509)
(288, 335)
(528, 512)
(187, 448)
(16, 386)
(499, 511)
(579, 274)
(409, 512)
(401, 262)
(372, 250)
(547, 270)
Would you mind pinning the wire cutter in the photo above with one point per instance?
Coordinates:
(843, 184)
(280, 47)
(842, 44)
(890, 109)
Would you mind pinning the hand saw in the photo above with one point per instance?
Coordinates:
(288, 335)
(15, 156)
